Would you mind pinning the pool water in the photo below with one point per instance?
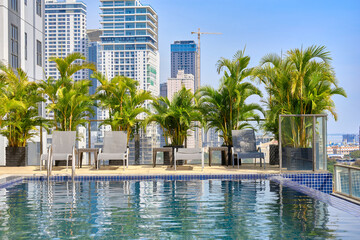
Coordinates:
(198, 209)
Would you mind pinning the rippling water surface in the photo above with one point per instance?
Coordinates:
(212, 209)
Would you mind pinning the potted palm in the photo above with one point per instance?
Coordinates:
(176, 117)
(302, 82)
(226, 108)
(70, 101)
(125, 103)
(19, 113)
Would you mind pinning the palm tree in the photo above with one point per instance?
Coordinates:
(65, 95)
(301, 82)
(225, 109)
(123, 100)
(71, 64)
(176, 117)
(73, 105)
(19, 112)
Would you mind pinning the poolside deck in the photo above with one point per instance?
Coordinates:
(142, 170)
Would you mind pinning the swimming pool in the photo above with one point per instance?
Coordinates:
(162, 209)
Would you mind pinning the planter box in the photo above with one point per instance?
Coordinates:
(297, 158)
(16, 156)
(274, 154)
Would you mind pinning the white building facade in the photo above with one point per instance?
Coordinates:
(129, 47)
(65, 26)
(22, 46)
(22, 36)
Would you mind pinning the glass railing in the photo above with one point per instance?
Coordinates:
(347, 181)
(303, 142)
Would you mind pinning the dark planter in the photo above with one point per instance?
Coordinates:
(174, 148)
(274, 154)
(297, 158)
(16, 156)
(62, 163)
(229, 156)
(137, 149)
(116, 162)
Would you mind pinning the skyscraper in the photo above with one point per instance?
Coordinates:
(183, 57)
(129, 47)
(65, 27)
(130, 42)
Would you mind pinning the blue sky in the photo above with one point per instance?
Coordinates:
(265, 26)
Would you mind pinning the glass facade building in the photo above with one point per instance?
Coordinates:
(183, 57)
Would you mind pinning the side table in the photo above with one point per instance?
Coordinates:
(88, 150)
(163, 150)
(223, 150)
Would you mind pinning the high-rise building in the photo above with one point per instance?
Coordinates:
(129, 47)
(163, 93)
(93, 57)
(183, 57)
(22, 46)
(22, 36)
(176, 84)
(65, 28)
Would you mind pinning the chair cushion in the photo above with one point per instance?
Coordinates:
(189, 150)
(250, 155)
(188, 154)
(111, 156)
(61, 156)
(44, 157)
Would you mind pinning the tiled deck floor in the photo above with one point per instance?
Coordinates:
(142, 170)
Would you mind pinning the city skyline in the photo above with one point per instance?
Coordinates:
(264, 27)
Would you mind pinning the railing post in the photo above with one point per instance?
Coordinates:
(89, 141)
(314, 144)
(280, 145)
(350, 185)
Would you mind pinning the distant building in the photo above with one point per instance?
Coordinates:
(341, 150)
(163, 93)
(93, 57)
(163, 89)
(129, 47)
(349, 138)
(183, 57)
(176, 84)
(65, 29)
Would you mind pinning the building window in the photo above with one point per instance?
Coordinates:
(14, 5)
(26, 46)
(38, 53)
(14, 47)
(38, 7)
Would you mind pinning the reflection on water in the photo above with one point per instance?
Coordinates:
(167, 209)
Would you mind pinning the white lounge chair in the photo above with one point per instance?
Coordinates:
(62, 148)
(189, 154)
(244, 143)
(115, 148)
